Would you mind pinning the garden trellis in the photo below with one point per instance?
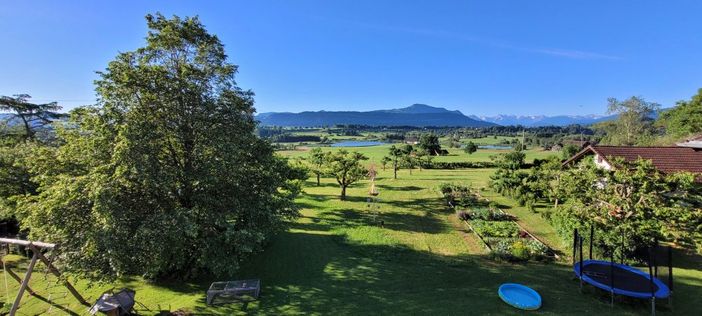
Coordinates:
(36, 247)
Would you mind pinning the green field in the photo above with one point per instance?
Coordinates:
(336, 259)
(375, 153)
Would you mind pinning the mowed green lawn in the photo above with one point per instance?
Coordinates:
(337, 259)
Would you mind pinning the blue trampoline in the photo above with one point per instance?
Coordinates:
(620, 279)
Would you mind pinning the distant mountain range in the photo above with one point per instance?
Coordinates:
(419, 115)
(10, 119)
(543, 120)
(415, 115)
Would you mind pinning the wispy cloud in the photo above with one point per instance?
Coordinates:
(575, 54)
(556, 52)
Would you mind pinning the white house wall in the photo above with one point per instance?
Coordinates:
(601, 162)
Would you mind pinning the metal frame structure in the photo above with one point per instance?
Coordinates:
(36, 247)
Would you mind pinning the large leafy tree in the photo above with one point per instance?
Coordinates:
(15, 178)
(507, 178)
(346, 167)
(164, 177)
(430, 144)
(634, 122)
(384, 161)
(685, 119)
(32, 116)
(470, 148)
(317, 157)
(633, 205)
(396, 154)
(409, 158)
(569, 150)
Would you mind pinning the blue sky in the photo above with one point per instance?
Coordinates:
(480, 57)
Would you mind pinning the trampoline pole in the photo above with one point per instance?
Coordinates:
(592, 238)
(580, 251)
(670, 276)
(575, 244)
(651, 268)
(611, 278)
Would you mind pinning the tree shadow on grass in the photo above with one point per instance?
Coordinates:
(318, 197)
(309, 273)
(327, 197)
(349, 218)
(419, 204)
(313, 184)
(413, 223)
(397, 188)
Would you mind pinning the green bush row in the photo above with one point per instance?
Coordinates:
(458, 164)
(495, 229)
(486, 214)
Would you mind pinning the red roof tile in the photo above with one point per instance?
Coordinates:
(665, 159)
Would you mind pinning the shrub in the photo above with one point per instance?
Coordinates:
(538, 250)
(520, 251)
(500, 216)
(502, 250)
(489, 214)
(458, 164)
(458, 195)
(481, 213)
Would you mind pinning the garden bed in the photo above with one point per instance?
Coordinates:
(504, 238)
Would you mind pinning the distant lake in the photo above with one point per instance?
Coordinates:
(356, 143)
(499, 147)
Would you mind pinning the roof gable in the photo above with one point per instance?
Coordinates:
(665, 159)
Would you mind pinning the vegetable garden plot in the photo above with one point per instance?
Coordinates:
(502, 236)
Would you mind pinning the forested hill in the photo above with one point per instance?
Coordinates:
(414, 115)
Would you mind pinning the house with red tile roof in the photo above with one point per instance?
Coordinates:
(667, 160)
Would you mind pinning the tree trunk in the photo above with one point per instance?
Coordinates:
(318, 179)
(343, 192)
(410, 171)
(394, 172)
(29, 134)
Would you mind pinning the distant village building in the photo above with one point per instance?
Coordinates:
(411, 140)
(685, 157)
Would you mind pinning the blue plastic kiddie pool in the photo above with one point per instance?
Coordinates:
(519, 296)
